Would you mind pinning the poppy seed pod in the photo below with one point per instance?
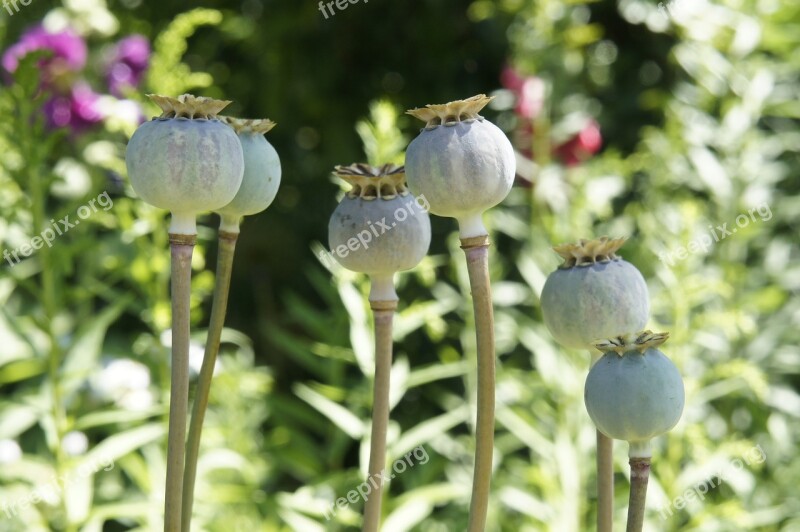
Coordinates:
(462, 163)
(186, 160)
(378, 228)
(262, 172)
(634, 392)
(594, 294)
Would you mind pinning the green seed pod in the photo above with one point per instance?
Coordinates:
(460, 162)
(378, 228)
(186, 160)
(262, 172)
(634, 392)
(594, 294)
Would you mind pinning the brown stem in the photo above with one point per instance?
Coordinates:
(640, 472)
(605, 483)
(477, 252)
(181, 247)
(219, 306)
(384, 314)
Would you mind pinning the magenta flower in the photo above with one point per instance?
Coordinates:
(530, 98)
(529, 92)
(69, 51)
(510, 79)
(78, 110)
(128, 64)
(582, 146)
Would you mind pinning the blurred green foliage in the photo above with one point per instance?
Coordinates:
(698, 109)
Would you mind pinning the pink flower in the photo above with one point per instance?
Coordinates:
(128, 64)
(511, 79)
(529, 92)
(582, 146)
(68, 48)
(530, 98)
(77, 110)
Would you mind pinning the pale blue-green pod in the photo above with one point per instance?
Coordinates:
(634, 392)
(460, 162)
(262, 172)
(378, 228)
(594, 295)
(186, 160)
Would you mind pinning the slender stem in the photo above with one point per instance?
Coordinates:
(181, 247)
(605, 474)
(384, 313)
(219, 306)
(605, 483)
(640, 472)
(477, 252)
(38, 192)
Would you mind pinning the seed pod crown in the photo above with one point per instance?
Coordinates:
(588, 252)
(188, 106)
(369, 182)
(256, 126)
(638, 343)
(451, 113)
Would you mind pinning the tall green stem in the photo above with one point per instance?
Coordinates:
(477, 252)
(605, 483)
(605, 474)
(640, 473)
(384, 313)
(219, 306)
(181, 248)
(38, 193)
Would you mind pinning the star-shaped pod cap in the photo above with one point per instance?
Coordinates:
(256, 126)
(188, 106)
(640, 342)
(451, 113)
(588, 252)
(374, 182)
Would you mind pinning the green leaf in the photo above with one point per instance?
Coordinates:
(339, 415)
(82, 358)
(104, 454)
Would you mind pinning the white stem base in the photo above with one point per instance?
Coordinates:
(471, 226)
(639, 449)
(228, 223)
(382, 287)
(183, 223)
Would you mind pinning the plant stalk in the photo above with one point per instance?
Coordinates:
(477, 252)
(181, 248)
(605, 474)
(227, 246)
(605, 483)
(640, 473)
(383, 312)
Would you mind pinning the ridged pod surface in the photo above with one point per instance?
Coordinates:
(460, 162)
(594, 295)
(186, 160)
(262, 168)
(378, 227)
(634, 392)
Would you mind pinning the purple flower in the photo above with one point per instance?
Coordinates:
(530, 97)
(78, 110)
(69, 50)
(128, 63)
